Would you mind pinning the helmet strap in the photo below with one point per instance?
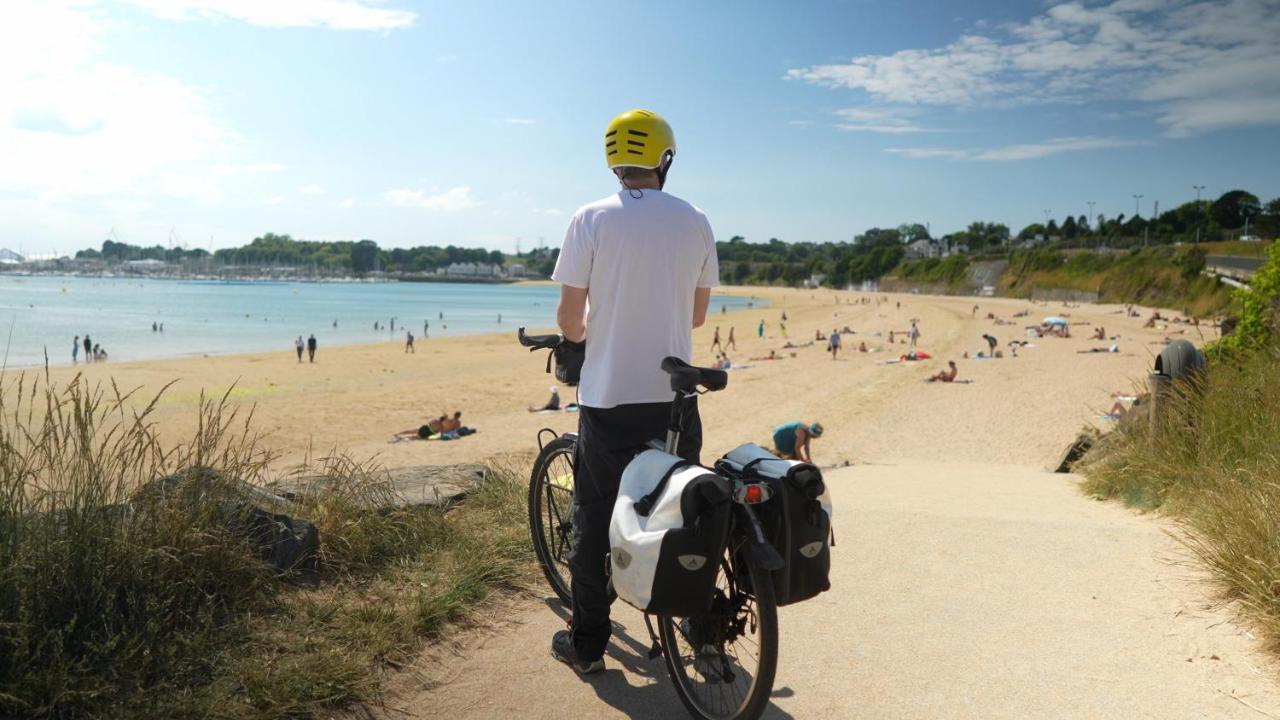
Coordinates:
(667, 158)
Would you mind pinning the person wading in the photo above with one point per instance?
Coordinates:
(644, 262)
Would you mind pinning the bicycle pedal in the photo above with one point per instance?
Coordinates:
(655, 651)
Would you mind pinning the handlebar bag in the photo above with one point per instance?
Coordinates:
(669, 530)
(797, 520)
(569, 357)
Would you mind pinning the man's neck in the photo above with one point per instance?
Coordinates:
(646, 184)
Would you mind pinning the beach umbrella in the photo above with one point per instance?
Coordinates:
(1054, 320)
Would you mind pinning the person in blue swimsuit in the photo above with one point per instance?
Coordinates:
(791, 439)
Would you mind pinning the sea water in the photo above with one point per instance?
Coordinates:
(40, 314)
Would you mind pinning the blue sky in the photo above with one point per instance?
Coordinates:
(478, 123)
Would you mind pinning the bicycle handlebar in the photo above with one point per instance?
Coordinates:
(539, 342)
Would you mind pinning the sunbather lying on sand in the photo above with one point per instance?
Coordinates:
(1115, 348)
(422, 432)
(948, 375)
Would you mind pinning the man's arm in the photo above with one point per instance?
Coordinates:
(701, 299)
(571, 314)
(802, 444)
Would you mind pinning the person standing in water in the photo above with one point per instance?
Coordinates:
(75, 350)
(88, 349)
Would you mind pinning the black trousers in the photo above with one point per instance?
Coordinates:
(607, 440)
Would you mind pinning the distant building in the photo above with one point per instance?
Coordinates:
(9, 257)
(148, 264)
(924, 248)
(468, 269)
(516, 271)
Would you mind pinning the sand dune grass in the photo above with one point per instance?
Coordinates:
(1213, 463)
(116, 605)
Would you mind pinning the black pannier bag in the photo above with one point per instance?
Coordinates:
(668, 533)
(797, 520)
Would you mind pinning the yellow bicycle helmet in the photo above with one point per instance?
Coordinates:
(641, 139)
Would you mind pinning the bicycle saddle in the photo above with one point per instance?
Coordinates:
(687, 378)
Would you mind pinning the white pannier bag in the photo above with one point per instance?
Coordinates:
(668, 532)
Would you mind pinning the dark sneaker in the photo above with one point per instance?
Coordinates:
(562, 649)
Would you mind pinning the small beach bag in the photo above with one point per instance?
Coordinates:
(797, 520)
(669, 530)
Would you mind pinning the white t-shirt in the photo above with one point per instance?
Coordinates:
(640, 259)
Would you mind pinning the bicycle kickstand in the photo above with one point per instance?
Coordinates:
(656, 649)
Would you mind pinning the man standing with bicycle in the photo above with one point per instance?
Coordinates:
(644, 263)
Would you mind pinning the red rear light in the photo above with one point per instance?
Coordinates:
(754, 495)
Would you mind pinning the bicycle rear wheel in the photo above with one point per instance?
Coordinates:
(551, 510)
(723, 662)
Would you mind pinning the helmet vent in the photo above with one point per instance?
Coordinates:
(635, 152)
(640, 133)
(611, 133)
(637, 143)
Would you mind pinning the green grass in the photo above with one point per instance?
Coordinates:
(1212, 463)
(156, 609)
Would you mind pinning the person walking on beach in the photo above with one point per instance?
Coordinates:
(732, 343)
(644, 262)
(914, 335)
(311, 348)
(88, 349)
(835, 344)
(425, 325)
(760, 330)
(715, 341)
(408, 343)
(75, 350)
(298, 345)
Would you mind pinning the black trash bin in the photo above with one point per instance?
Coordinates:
(1179, 360)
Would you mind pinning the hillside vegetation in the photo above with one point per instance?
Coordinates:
(1159, 276)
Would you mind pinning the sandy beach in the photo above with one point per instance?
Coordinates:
(1020, 410)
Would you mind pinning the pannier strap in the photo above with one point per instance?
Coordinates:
(644, 505)
(752, 463)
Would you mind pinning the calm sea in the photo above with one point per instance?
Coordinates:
(39, 314)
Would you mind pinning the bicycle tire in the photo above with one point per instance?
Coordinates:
(753, 702)
(551, 514)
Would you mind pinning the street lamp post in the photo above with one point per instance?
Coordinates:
(1137, 210)
(1199, 211)
(1091, 203)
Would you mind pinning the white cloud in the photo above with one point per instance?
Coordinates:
(276, 200)
(311, 189)
(892, 121)
(1203, 64)
(333, 14)
(1010, 153)
(801, 123)
(518, 121)
(347, 203)
(451, 200)
(73, 124)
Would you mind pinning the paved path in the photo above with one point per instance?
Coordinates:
(960, 591)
